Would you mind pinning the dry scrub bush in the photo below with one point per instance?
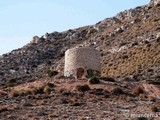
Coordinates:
(117, 91)
(153, 108)
(137, 91)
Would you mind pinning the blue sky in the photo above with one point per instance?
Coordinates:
(20, 20)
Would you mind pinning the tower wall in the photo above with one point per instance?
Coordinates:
(86, 58)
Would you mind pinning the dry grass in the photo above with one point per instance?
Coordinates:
(135, 60)
(137, 91)
(153, 108)
(74, 101)
(2, 93)
(34, 88)
(81, 118)
(151, 98)
(142, 96)
(4, 108)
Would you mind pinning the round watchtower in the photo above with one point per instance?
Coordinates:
(82, 62)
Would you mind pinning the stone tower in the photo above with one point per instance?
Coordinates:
(82, 62)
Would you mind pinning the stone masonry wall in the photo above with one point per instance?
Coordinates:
(87, 58)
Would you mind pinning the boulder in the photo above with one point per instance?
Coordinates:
(35, 39)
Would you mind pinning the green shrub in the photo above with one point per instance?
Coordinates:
(127, 79)
(154, 82)
(82, 88)
(117, 91)
(98, 91)
(90, 73)
(25, 93)
(48, 87)
(9, 85)
(124, 56)
(51, 85)
(94, 80)
(123, 43)
(27, 104)
(109, 79)
(75, 103)
(92, 31)
(62, 54)
(39, 90)
(14, 94)
(12, 80)
(52, 73)
(66, 92)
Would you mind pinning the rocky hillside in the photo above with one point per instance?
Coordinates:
(129, 45)
(32, 82)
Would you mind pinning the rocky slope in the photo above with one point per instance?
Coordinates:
(129, 43)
